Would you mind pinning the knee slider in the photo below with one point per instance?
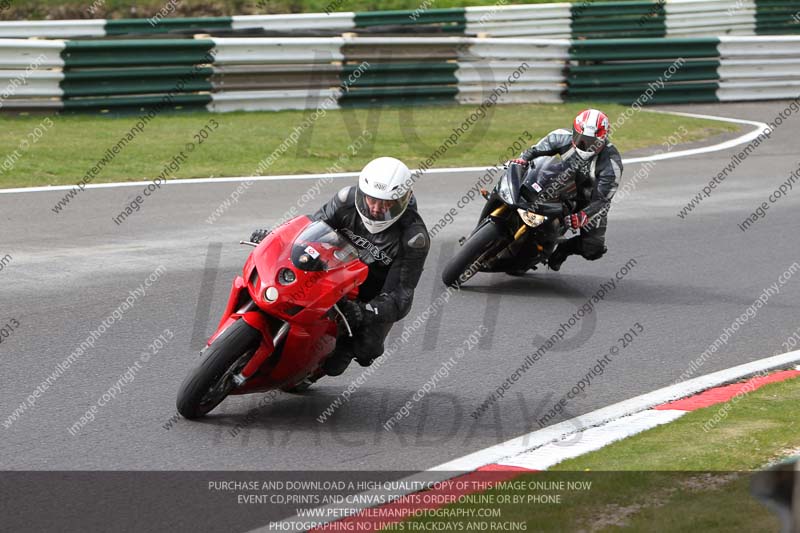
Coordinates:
(593, 252)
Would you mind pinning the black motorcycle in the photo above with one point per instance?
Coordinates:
(520, 224)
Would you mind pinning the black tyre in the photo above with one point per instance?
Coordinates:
(461, 267)
(209, 383)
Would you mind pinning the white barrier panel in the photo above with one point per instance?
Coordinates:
(494, 72)
(516, 12)
(738, 69)
(304, 21)
(712, 31)
(552, 20)
(712, 20)
(240, 51)
(272, 100)
(699, 6)
(763, 46)
(522, 49)
(24, 53)
(758, 90)
(555, 29)
(27, 83)
(32, 104)
(475, 95)
(52, 28)
(759, 68)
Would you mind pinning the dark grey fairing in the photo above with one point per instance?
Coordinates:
(552, 196)
(549, 179)
(396, 256)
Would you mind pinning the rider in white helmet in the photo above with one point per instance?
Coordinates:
(380, 217)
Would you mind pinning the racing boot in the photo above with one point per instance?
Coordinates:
(562, 251)
(337, 362)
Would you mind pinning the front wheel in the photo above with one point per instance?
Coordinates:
(211, 382)
(465, 263)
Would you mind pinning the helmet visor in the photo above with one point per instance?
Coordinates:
(587, 143)
(378, 209)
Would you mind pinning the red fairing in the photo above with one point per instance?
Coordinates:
(265, 300)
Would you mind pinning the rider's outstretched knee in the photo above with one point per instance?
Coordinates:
(593, 251)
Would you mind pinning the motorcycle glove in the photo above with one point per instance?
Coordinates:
(576, 220)
(352, 311)
(258, 235)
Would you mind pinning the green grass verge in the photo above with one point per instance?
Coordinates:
(68, 149)
(675, 477)
(63, 9)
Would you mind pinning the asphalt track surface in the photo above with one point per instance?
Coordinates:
(691, 279)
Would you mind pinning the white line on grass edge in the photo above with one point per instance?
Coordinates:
(747, 137)
(536, 439)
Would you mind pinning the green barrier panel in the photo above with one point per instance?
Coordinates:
(133, 52)
(372, 97)
(618, 19)
(790, 5)
(777, 16)
(402, 74)
(137, 104)
(454, 19)
(779, 30)
(614, 9)
(165, 25)
(615, 73)
(108, 82)
(669, 94)
(615, 49)
(621, 33)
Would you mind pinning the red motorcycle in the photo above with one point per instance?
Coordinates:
(280, 322)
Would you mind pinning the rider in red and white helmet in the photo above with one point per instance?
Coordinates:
(598, 168)
(589, 133)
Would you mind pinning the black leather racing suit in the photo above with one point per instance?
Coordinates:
(395, 257)
(597, 181)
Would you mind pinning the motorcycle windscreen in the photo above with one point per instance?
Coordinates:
(319, 247)
(549, 178)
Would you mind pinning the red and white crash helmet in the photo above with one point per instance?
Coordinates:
(589, 133)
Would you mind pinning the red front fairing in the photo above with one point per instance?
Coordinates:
(304, 304)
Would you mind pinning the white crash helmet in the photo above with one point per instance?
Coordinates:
(387, 179)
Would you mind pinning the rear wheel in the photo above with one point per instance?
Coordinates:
(467, 260)
(211, 382)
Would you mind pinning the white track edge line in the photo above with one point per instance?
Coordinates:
(556, 432)
(536, 439)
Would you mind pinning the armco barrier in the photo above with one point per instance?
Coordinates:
(221, 74)
(685, 70)
(595, 19)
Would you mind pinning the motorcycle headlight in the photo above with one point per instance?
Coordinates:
(531, 219)
(504, 190)
(271, 294)
(286, 276)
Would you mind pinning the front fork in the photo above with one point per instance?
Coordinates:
(240, 308)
